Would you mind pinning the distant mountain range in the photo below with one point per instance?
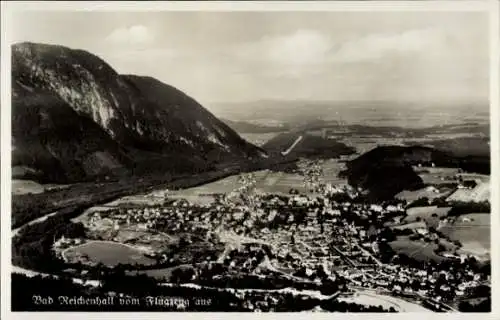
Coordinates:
(74, 118)
(248, 127)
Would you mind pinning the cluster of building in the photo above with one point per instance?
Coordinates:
(303, 233)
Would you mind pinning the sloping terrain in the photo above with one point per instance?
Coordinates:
(296, 144)
(387, 170)
(75, 118)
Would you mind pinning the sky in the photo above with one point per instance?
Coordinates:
(247, 56)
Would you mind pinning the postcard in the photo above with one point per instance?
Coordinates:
(274, 157)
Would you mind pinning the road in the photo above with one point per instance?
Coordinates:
(42, 218)
(366, 252)
(294, 144)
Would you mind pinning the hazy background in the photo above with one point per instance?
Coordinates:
(425, 57)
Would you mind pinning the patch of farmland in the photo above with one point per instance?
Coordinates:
(193, 198)
(478, 194)
(419, 250)
(427, 192)
(475, 176)
(473, 231)
(412, 225)
(331, 170)
(108, 253)
(437, 175)
(225, 185)
(425, 213)
(20, 186)
(279, 182)
(437, 179)
(442, 171)
(259, 139)
(26, 187)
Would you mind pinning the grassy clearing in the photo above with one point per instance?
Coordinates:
(472, 231)
(426, 192)
(259, 139)
(425, 213)
(419, 250)
(26, 187)
(412, 225)
(479, 194)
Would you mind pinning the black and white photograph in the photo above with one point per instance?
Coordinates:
(219, 160)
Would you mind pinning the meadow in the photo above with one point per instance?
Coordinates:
(418, 250)
(437, 176)
(472, 231)
(427, 192)
(479, 194)
(259, 139)
(425, 213)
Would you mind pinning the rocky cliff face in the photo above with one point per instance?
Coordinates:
(74, 117)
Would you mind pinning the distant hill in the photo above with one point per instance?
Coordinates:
(247, 127)
(387, 170)
(74, 118)
(308, 146)
(462, 146)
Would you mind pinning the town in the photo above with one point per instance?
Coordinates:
(326, 236)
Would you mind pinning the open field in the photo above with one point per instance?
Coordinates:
(427, 192)
(369, 298)
(419, 250)
(108, 253)
(259, 139)
(411, 225)
(265, 181)
(437, 176)
(225, 185)
(331, 170)
(31, 187)
(26, 186)
(472, 231)
(478, 194)
(279, 182)
(425, 213)
(475, 176)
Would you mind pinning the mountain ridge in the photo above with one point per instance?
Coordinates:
(119, 121)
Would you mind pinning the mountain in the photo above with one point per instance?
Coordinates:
(74, 118)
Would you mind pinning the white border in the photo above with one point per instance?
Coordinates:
(393, 5)
(495, 149)
(466, 6)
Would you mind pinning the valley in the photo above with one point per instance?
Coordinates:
(149, 192)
